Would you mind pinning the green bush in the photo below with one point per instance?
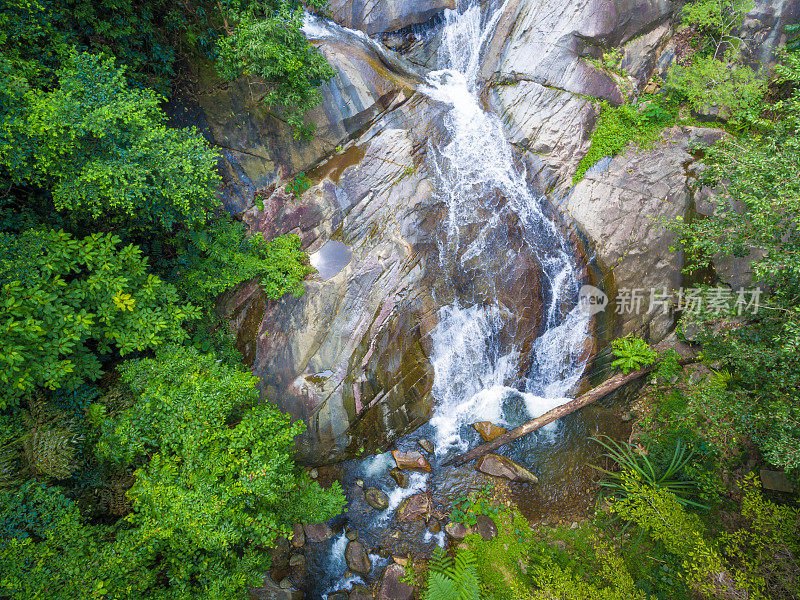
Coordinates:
(634, 461)
(265, 40)
(632, 353)
(103, 150)
(619, 126)
(71, 302)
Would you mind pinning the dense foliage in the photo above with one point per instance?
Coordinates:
(68, 302)
(132, 465)
(265, 40)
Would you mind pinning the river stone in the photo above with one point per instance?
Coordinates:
(340, 595)
(269, 590)
(381, 16)
(486, 527)
(400, 476)
(501, 466)
(318, 532)
(457, 531)
(391, 587)
(298, 535)
(352, 535)
(434, 526)
(414, 508)
(488, 430)
(411, 460)
(776, 481)
(297, 561)
(376, 498)
(426, 445)
(359, 592)
(356, 558)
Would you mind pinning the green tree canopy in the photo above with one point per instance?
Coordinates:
(67, 301)
(103, 150)
(265, 40)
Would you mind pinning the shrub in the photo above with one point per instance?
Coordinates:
(632, 353)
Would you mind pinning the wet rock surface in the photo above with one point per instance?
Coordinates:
(488, 430)
(501, 466)
(400, 476)
(357, 559)
(317, 532)
(376, 498)
(411, 461)
(391, 587)
(359, 592)
(379, 16)
(414, 508)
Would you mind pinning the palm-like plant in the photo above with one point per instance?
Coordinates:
(453, 578)
(634, 460)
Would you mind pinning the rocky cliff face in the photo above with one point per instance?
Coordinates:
(350, 358)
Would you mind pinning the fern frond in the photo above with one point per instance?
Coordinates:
(441, 563)
(49, 452)
(441, 587)
(465, 574)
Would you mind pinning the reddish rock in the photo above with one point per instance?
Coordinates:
(318, 532)
(500, 466)
(414, 508)
(488, 430)
(391, 586)
(411, 460)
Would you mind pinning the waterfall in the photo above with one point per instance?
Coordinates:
(478, 369)
(473, 166)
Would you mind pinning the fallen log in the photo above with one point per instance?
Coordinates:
(604, 389)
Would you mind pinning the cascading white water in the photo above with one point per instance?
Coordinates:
(474, 373)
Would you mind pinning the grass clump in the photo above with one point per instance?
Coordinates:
(619, 125)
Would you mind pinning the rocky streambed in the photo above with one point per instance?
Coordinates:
(451, 243)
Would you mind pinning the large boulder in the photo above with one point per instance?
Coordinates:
(618, 205)
(356, 557)
(411, 460)
(258, 148)
(501, 466)
(414, 508)
(541, 82)
(392, 588)
(380, 16)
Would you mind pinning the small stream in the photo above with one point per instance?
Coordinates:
(486, 367)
